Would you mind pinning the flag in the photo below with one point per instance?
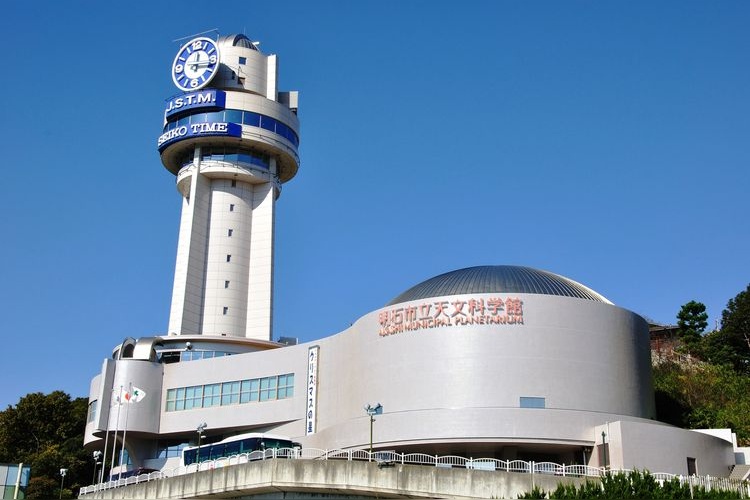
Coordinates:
(134, 395)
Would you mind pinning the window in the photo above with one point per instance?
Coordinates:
(171, 394)
(229, 258)
(167, 449)
(229, 232)
(92, 411)
(249, 390)
(211, 395)
(268, 123)
(527, 402)
(231, 207)
(230, 393)
(226, 310)
(286, 386)
(250, 118)
(179, 403)
(226, 284)
(243, 60)
(237, 116)
(193, 397)
(234, 183)
(267, 388)
(233, 116)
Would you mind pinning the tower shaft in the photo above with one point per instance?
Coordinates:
(231, 145)
(223, 282)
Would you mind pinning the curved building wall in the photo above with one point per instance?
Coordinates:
(589, 361)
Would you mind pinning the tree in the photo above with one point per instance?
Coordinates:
(735, 328)
(691, 323)
(703, 396)
(45, 431)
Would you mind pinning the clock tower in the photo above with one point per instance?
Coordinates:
(231, 139)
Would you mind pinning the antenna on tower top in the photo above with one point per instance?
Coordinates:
(214, 30)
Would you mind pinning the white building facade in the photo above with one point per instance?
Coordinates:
(493, 361)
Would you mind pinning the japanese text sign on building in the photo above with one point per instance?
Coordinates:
(445, 313)
(312, 389)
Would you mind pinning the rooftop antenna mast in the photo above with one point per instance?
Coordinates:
(214, 30)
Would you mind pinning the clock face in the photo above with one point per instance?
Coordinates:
(195, 64)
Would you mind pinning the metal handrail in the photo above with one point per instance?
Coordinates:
(452, 461)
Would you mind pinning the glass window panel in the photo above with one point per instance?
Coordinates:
(211, 395)
(250, 118)
(185, 120)
(254, 389)
(267, 123)
(170, 405)
(215, 116)
(232, 449)
(179, 405)
(198, 118)
(234, 116)
(282, 129)
(529, 402)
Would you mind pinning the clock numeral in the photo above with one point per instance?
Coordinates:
(178, 68)
(212, 59)
(194, 82)
(198, 44)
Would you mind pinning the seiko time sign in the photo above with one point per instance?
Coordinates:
(199, 130)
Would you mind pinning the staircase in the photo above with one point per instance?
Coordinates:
(740, 472)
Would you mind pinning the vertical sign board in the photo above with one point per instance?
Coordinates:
(312, 389)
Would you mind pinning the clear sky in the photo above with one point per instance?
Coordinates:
(603, 141)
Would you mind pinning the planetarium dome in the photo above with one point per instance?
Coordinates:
(498, 279)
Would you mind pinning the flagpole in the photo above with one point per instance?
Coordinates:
(114, 439)
(128, 397)
(106, 440)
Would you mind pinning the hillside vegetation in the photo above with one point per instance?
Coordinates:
(710, 386)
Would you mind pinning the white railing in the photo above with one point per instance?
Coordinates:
(448, 461)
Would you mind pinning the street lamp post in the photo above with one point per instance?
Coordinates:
(62, 480)
(199, 429)
(372, 411)
(97, 456)
(604, 448)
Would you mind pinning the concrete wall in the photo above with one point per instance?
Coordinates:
(337, 478)
(664, 448)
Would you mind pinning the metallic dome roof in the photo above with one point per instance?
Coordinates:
(498, 279)
(238, 41)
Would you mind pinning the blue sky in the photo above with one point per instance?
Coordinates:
(604, 141)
